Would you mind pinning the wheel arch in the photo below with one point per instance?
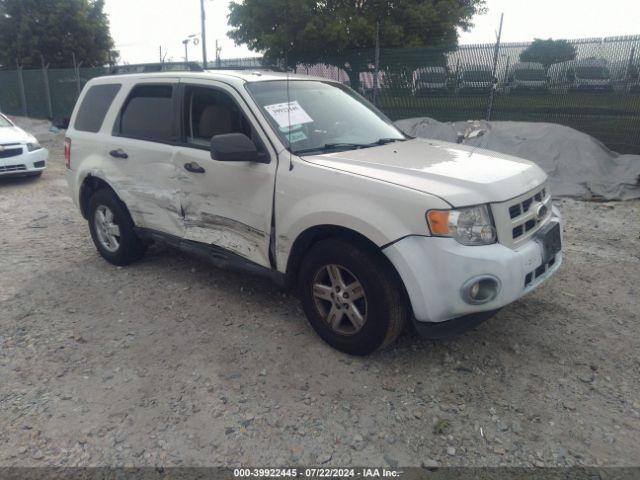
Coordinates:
(89, 186)
(317, 233)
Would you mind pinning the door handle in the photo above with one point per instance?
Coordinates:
(119, 153)
(193, 167)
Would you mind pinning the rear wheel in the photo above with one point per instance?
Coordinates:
(351, 296)
(112, 229)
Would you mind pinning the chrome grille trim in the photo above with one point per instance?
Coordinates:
(517, 220)
(12, 168)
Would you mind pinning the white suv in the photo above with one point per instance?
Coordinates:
(304, 181)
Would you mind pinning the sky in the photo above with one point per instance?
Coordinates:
(141, 27)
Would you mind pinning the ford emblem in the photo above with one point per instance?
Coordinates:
(541, 211)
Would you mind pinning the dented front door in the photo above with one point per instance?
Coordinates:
(227, 204)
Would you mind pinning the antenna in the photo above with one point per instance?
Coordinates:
(286, 66)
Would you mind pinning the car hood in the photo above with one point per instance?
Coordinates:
(15, 135)
(459, 174)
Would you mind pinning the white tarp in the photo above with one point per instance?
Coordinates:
(578, 165)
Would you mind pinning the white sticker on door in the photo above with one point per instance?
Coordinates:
(288, 114)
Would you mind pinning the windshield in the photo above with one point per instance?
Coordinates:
(432, 77)
(477, 76)
(4, 122)
(315, 115)
(592, 73)
(530, 75)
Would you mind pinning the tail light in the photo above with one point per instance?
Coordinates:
(67, 152)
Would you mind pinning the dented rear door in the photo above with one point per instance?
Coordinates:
(142, 153)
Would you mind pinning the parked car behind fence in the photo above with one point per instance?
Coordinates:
(588, 74)
(526, 77)
(475, 79)
(430, 80)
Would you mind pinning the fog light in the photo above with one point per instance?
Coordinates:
(38, 164)
(480, 290)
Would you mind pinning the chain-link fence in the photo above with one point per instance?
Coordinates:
(45, 92)
(596, 91)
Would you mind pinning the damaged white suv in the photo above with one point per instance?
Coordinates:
(302, 180)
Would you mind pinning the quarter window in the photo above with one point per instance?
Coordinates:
(148, 114)
(94, 107)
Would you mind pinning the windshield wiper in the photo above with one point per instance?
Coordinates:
(348, 145)
(384, 141)
(332, 146)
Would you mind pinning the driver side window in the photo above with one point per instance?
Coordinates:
(209, 112)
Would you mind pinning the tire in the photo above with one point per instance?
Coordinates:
(361, 324)
(127, 247)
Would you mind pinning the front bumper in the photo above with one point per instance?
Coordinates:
(23, 163)
(434, 271)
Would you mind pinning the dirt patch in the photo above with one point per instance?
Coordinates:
(173, 362)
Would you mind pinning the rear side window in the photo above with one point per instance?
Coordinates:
(148, 114)
(94, 107)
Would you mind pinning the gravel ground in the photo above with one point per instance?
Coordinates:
(173, 362)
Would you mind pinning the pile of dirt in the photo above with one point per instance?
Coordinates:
(578, 165)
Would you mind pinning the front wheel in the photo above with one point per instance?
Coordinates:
(352, 296)
(112, 229)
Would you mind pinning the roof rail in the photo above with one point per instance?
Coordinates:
(246, 67)
(156, 67)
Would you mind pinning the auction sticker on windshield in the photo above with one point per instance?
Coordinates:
(288, 114)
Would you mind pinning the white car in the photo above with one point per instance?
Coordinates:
(304, 181)
(20, 152)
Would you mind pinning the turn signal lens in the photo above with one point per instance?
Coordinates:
(439, 222)
(468, 226)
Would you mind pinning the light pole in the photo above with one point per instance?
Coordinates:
(203, 35)
(185, 42)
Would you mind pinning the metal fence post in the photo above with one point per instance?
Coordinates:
(494, 83)
(47, 91)
(76, 68)
(376, 85)
(23, 96)
(627, 73)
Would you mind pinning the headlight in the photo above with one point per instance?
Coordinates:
(32, 147)
(469, 226)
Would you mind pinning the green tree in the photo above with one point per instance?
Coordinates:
(548, 52)
(342, 33)
(54, 29)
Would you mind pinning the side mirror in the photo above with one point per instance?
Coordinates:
(235, 147)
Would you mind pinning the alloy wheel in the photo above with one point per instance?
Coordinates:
(107, 229)
(340, 299)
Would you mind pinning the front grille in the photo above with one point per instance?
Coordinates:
(517, 219)
(12, 168)
(10, 152)
(523, 207)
